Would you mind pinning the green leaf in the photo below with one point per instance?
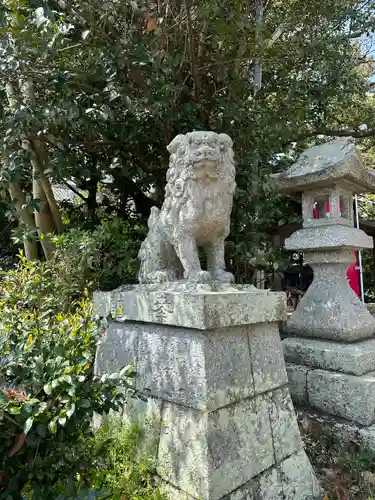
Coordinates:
(14, 410)
(48, 388)
(66, 378)
(52, 426)
(71, 410)
(55, 383)
(71, 391)
(28, 425)
(41, 429)
(62, 421)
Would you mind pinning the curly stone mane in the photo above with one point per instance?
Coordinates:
(181, 172)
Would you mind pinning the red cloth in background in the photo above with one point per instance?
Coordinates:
(352, 276)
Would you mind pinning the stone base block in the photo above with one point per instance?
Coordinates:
(293, 479)
(347, 396)
(355, 359)
(212, 366)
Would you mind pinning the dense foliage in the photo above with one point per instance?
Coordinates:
(92, 92)
(48, 391)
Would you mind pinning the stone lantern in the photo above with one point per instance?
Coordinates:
(327, 176)
(330, 348)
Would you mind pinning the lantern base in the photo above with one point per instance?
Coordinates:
(330, 309)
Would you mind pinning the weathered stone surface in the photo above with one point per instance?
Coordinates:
(117, 348)
(201, 171)
(200, 309)
(146, 413)
(343, 430)
(213, 454)
(297, 377)
(266, 357)
(285, 432)
(346, 396)
(267, 486)
(195, 369)
(229, 376)
(356, 359)
(367, 437)
(321, 165)
(330, 309)
(299, 480)
(271, 484)
(328, 237)
(173, 493)
(294, 479)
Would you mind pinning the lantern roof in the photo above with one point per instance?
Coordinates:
(337, 162)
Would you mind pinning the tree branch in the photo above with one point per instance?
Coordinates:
(74, 190)
(357, 134)
(194, 71)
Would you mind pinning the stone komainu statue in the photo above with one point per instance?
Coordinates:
(196, 212)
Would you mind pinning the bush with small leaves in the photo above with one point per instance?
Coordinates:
(48, 390)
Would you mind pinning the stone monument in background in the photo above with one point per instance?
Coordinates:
(207, 353)
(331, 350)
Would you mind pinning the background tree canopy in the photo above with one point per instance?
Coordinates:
(92, 92)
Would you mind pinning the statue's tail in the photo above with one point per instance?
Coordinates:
(154, 217)
(151, 223)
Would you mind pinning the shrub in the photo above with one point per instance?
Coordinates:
(48, 390)
(102, 258)
(122, 468)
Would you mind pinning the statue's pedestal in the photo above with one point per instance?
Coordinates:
(224, 426)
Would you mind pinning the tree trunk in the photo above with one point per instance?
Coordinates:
(38, 163)
(258, 61)
(43, 219)
(24, 216)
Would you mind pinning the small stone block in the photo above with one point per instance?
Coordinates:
(347, 396)
(209, 455)
(267, 357)
(356, 359)
(285, 431)
(297, 376)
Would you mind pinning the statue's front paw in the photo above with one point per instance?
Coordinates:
(198, 277)
(163, 276)
(222, 276)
